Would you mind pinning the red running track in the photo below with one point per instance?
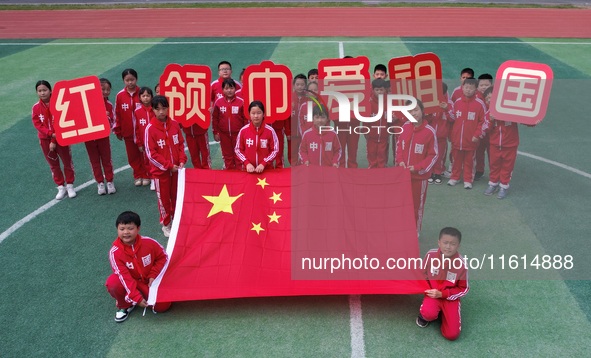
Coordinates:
(317, 22)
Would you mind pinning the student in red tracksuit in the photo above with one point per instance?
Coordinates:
(227, 120)
(417, 150)
(467, 131)
(320, 144)
(464, 74)
(504, 140)
(447, 275)
(143, 116)
(126, 102)
(485, 81)
(52, 151)
(311, 95)
(165, 148)
(298, 98)
(99, 150)
(257, 143)
(378, 137)
(217, 88)
(136, 261)
(440, 121)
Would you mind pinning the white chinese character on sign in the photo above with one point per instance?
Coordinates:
(346, 79)
(161, 143)
(249, 142)
(190, 95)
(313, 146)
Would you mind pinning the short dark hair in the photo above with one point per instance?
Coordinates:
(379, 83)
(380, 67)
(129, 71)
(419, 104)
(160, 100)
(488, 91)
(300, 76)
(224, 63)
(468, 70)
(128, 217)
(320, 110)
(229, 82)
(451, 231)
(470, 81)
(105, 80)
(44, 83)
(258, 104)
(485, 76)
(444, 87)
(146, 89)
(313, 71)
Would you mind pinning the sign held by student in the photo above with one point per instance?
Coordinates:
(271, 84)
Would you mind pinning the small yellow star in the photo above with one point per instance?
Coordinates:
(276, 197)
(262, 182)
(257, 228)
(222, 202)
(274, 218)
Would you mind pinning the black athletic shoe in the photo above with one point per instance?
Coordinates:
(421, 322)
(122, 314)
(478, 175)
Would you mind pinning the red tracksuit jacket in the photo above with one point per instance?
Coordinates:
(469, 119)
(322, 149)
(125, 106)
(43, 120)
(451, 281)
(217, 91)
(139, 262)
(257, 146)
(502, 134)
(143, 116)
(440, 120)
(165, 145)
(110, 112)
(228, 115)
(417, 146)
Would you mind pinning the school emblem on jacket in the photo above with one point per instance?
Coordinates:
(235, 109)
(451, 277)
(129, 265)
(264, 143)
(419, 148)
(328, 146)
(146, 260)
(175, 139)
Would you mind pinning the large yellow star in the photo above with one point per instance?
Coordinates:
(222, 202)
(262, 182)
(257, 228)
(274, 218)
(276, 197)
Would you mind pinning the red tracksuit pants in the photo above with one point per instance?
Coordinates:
(439, 167)
(377, 152)
(135, 158)
(501, 164)
(199, 150)
(63, 152)
(99, 154)
(482, 147)
(419, 196)
(463, 161)
(451, 319)
(166, 188)
(118, 292)
(349, 144)
(227, 145)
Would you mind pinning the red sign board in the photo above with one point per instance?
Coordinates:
(79, 108)
(419, 76)
(521, 92)
(188, 89)
(271, 84)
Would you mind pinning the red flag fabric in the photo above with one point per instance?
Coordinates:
(234, 234)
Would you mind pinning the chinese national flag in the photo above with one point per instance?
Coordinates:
(232, 235)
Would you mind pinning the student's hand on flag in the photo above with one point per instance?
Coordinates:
(249, 168)
(260, 168)
(401, 164)
(175, 168)
(475, 140)
(143, 303)
(150, 280)
(433, 293)
(411, 168)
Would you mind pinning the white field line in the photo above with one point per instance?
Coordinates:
(356, 323)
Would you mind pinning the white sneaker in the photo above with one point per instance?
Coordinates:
(61, 192)
(111, 188)
(467, 185)
(101, 189)
(446, 174)
(452, 182)
(152, 185)
(145, 182)
(137, 182)
(71, 191)
(166, 229)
